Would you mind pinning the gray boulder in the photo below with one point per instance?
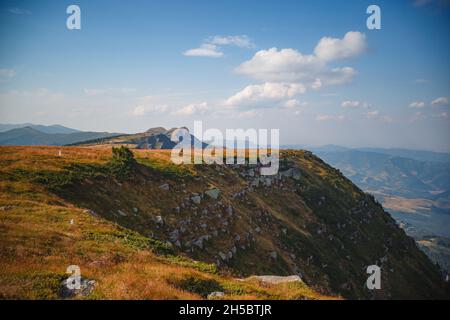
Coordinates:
(213, 193)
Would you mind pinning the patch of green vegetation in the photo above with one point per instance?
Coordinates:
(234, 288)
(45, 285)
(202, 287)
(121, 163)
(132, 240)
(120, 166)
(186, 262)
(55, 180)
(166, 168)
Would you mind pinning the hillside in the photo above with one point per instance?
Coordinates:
(309, 220)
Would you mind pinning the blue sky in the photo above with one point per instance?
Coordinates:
(310, 68)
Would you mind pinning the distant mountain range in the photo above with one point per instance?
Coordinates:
(45, 129)
(56, 135)
(420, 155)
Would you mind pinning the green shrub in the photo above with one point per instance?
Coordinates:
(202, 287)
(122, 161)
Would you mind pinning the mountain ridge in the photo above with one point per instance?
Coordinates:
(308, 220)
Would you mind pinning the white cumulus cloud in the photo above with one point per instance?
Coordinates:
(441, 101)
(142, 110)
(205, 50)
(192, 109)
(417, 104)
(290, 65)
(329, 117)
(353, 44)
(212, 47)
(266, 93)
(242, 41)
(352, 104)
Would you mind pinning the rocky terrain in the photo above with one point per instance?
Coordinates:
(307, 221)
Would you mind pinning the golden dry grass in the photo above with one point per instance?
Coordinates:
(38, 242)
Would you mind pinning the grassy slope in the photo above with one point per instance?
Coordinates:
(302, 221)
(38, 242)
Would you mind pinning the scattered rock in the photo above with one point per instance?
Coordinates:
(159, 220)
(196, 199)
(216, 295)
(223, 256)
(164, 186)
(91, 212)
(86, 287)
(173, 236)
(276, 279)
(213, 193)
(123, 214)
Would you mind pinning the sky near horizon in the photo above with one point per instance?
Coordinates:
(309, 68)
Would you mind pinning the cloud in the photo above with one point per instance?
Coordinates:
(329, 117)
(7, 74)
(109, 91)
(417, 104)
(192, 109)
(353, 104)
(142, 110)
(280, 65)
(283, 71)
(267, 94)
(294, 103)
(443, 115)
(290, 65)
(376, 115)
(441, 101)
(239, 41)
(353, 44)
(205, 50)
(417, 116)
(18, 11)
(247, 114)
(212, 46)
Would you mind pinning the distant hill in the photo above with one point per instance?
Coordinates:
(390, 174)
(419, 155)
(45, 129)
(154, 138)
(29, 136)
